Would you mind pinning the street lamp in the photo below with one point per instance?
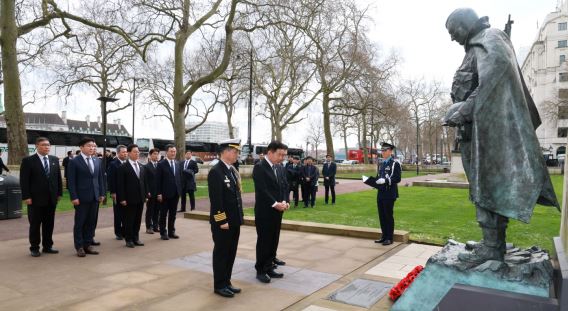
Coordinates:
(134, 105)
(249, 138)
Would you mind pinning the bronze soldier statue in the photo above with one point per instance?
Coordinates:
(496, 120)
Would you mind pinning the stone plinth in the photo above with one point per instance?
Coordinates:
(526, 272)
(457, 165)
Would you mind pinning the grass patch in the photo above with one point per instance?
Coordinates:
(203, 189)
(432, 215)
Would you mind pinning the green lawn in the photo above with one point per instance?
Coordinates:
(357, 175)
(432, 215)
(203, 191)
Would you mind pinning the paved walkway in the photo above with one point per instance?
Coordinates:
(176, 274)
(18, 228)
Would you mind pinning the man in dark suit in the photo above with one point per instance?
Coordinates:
(131, 194)
(117, 210)
(271, 195)
(310, 176)
(386, 182)
(65, 163)
(42, 187)
(189, 169)
(2, 165)
(152, 207)
(226, 216)
(168, 176)
(328, 171)
(87, 190)
(294, 178)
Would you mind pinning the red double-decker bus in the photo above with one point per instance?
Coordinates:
(372, 155)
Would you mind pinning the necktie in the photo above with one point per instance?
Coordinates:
(154, 163)
(186, 164)
(172, 166)
(90, 165)
(45, 165)
(236, 177)
(137, 169)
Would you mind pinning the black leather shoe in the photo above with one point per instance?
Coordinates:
(91, 251)
(156, 230)
(381, 240)
(235, 290)
(118, 238)
(164, 237)
(387, 242)
(129, 244)
(225, 292)
(95, 243)
(138, 243)
(173, 236)
(149, 231)
(50, 250)
(35, 253)
(279, 262)
(264, 278)
(181, 211)
(81, 252)
(275, 275)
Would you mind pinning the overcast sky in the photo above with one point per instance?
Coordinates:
(413, 29)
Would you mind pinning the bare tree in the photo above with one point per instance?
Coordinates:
(18, 19)
(420, 97)
(284, 74)
(315, 135)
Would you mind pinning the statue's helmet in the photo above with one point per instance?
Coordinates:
(460, 23)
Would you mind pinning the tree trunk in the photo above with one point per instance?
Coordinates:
(14, 112)
(179, 102)
(327, 125)
(365, 150)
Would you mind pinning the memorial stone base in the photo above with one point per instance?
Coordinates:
(445, 283)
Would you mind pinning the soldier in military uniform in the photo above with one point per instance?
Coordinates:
(226, 216)
(386, 182)
(496, 120)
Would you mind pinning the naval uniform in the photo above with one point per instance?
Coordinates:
(390, 170)
(226, 207)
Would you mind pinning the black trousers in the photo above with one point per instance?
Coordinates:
(268, 236)
(133, 218)
(168, 209)
(386, 218)
(152, 213)
(224, 254)
(295, 194)
(85, 224)
(119, 218)
(310, 198)
(332, 188)
(44, 217)
(191, 199)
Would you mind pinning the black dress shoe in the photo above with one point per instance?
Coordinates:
(193, 208)
(35, 253)
(264, 278)
(387, 242)
(225, 292)
(173, 236)
(81, 252)
(181, 211)
(156, 230)
(50, 250)
(381, 240)
(149, 231)
(279, 262)
(275, 275)
(164, 237)
(138, 243)
(235, 290)
(91, 251)
(95, 243)
(129, 244)
(118, 238)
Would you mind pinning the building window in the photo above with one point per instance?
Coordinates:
(563, 112)
(562, 59)
(562, 26)
(563, 76)
(562, 43)
(563, 132)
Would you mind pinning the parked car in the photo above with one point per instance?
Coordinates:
(349, 162)
(339, 161)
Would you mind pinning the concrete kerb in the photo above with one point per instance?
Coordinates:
(313, 227)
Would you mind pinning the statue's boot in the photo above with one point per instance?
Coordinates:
(492, 247)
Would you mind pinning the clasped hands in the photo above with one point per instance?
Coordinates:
(282, 206)
(453, 117)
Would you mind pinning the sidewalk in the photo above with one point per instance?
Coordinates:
(176, 274)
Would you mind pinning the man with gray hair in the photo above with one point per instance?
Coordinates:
(118, 211)
(496, 120)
